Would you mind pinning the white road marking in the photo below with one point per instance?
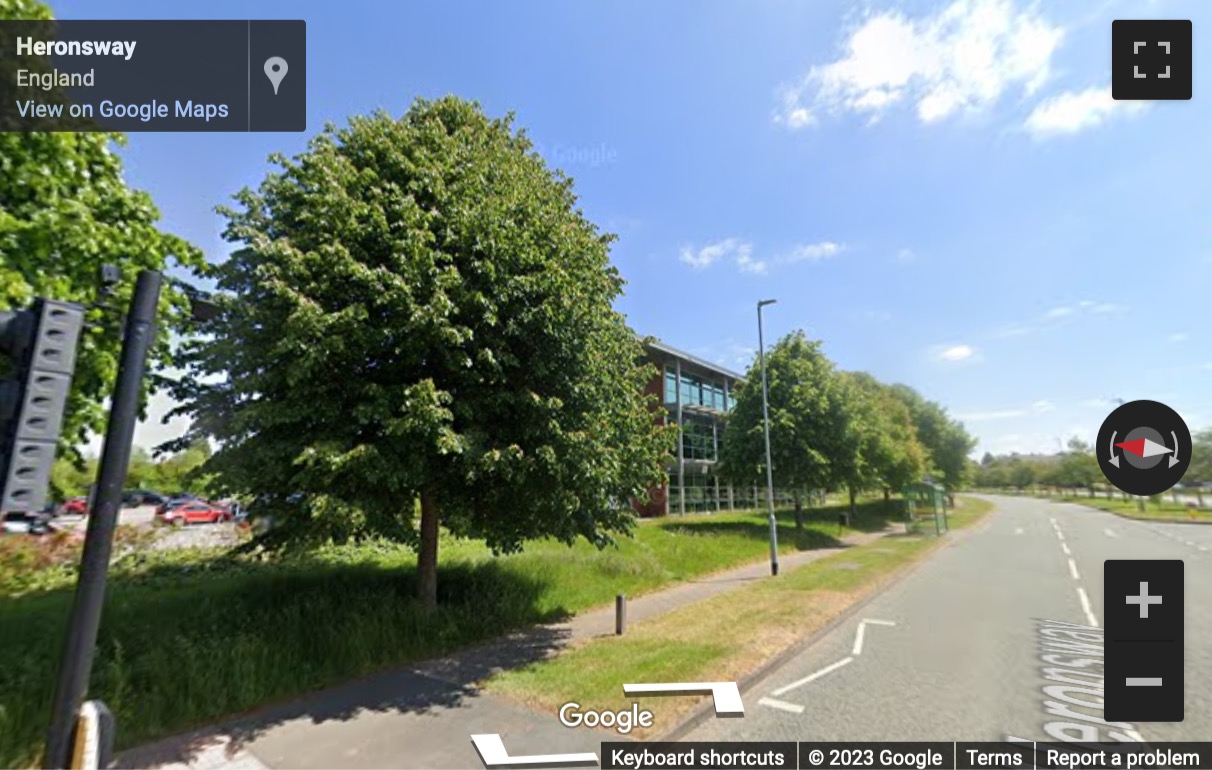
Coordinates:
(858, 636)
(1081, 594)
(1060, 536)
(1110, 533)
(1073, 569)
(1018, 530)
(1190, 543)
(1065, 548)
(1202, 547)
(858, 639)
(812, 677)
(782, 705)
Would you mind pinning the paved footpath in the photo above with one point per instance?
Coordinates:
(423, 716)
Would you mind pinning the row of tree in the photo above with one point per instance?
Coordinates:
(1077, 466)
(832, 429)
(178, 472)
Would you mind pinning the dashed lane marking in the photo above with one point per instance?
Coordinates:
(1085, 600)
(1073, 569)
(1110, 533)
(1065, 548)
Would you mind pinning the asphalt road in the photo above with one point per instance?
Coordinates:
(964, 658)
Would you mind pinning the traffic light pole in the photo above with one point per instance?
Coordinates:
(102, 521)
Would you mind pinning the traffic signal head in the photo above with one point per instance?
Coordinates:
(41, 345)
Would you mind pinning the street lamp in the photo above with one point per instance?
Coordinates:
(774, 534)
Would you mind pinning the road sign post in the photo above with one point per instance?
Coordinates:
(85, 619)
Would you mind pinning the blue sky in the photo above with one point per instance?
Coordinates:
(943, 192)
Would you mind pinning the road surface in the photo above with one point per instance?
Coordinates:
(954, 651)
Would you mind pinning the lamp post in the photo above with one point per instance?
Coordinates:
(774, 533)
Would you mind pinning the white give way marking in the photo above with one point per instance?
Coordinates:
(858, 636)
(795, 708)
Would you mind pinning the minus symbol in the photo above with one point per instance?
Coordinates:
(1144, 681)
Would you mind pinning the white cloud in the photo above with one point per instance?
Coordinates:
(1178, 337)
(813, 252)
(985, 415)
(992, 414)
(961, 59)
(747, 264)
(710, 254)
(799, 117)
(875, 316)
(741, 252)
(1082, 308)
(960, 352)
(906, 256)
(1070, 112)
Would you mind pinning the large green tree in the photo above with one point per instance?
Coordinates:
(65, 210)
(947, 442)
(419, 309)
(886, 453)
(807, 420)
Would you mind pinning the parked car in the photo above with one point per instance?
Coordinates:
(74, 506)
(192, 512)
(135, 497)
(172, 503)
(14, 523)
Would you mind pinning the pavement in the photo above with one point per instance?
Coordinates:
(955, 650)
(423, 716)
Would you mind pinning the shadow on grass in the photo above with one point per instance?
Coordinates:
(821, 525)
(183, 647)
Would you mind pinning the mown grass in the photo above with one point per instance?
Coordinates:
(1153, 509)
(722, 638)
(189, 637)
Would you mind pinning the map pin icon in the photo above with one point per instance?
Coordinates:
(275, 70)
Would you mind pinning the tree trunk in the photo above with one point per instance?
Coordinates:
(799, 514)
(427, 559)
(853, 510)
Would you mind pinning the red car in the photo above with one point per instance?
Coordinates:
(196, 512)
(75, 506)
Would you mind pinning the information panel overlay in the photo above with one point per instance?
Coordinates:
(172, 76)
(932, 755)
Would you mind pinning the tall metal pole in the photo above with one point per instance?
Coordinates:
(774, 531)
(85, 619)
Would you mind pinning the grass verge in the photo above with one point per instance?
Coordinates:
(1154, 510)
(722, 638)
(191, 637)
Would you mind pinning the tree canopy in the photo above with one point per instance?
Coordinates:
(807, 417)
(65, 210)
(832, 429)
(419, 309)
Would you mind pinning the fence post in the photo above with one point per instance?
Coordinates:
(620, 614)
